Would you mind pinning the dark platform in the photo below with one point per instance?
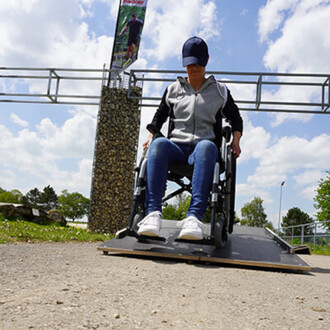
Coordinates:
(247, 246)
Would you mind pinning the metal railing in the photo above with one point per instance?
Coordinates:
(306, 233)
(264, 91)
(259, 83)
(58, 85)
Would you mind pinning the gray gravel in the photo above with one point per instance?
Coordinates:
(74, 286)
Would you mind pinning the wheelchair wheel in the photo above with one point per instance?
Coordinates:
(230, 189)
(220, 233)
(137, 218)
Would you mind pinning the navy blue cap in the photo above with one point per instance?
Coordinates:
(195, 51)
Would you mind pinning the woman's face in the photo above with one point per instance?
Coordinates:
(195, 71)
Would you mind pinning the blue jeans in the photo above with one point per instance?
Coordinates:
(162, 152)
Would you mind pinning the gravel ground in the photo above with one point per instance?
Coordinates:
(74, 286)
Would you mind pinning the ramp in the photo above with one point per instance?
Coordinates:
(247, 246)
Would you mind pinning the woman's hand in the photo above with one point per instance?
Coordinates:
(235, 143)
(147, 143)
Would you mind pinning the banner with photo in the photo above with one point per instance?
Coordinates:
(129, 27)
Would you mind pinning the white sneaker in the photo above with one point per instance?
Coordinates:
(192, 228)
(150, 225)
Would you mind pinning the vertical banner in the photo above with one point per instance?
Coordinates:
(129, 27)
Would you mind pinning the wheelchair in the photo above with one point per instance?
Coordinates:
(221, 201)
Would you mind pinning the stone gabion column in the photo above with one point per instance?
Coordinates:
(114, 160)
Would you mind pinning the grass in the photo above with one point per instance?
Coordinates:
(320, 249)
(16, 230)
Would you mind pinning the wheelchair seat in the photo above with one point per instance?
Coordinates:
(180, 170)
(184, 170)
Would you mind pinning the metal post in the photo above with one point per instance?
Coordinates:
(323, 94)
(279, 212)
(315, 230)
(57, 88)
(325, 109)
(130, 83)
(258, 92)
(49, 84)
(302, 234)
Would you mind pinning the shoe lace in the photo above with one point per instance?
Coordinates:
(151, 218)
(193, 222)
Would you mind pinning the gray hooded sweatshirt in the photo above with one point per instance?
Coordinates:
(196, 115)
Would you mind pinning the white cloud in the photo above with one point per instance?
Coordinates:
(308, 177)
(299, 162)
(290, 155)
(15, 119)
(309, 181)
(291, 94)
(80, 180)
(170, 22)
(254, 142)
(75, 139)
(298, 38)
(304, 41)
(38, 152)
(271, 16)
(50, 34)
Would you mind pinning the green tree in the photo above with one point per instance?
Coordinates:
(48, 199)
(170, 212)
(177, 211)
(73, 205)
(270, 225)
(253, 213)
(322, 200)
(295, 217)
(32, 198)
(13, 196)
(43, 200)
(236, 219)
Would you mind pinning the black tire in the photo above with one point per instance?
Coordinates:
(137, 218)
(220, 233)
(230, 189)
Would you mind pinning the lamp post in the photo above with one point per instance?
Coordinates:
(279, 212)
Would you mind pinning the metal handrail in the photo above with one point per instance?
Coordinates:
(56, 94)
(314, 226)
(261, 80)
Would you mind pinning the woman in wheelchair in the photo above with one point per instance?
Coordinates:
(195, 106)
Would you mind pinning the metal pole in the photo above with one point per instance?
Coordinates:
(113, 44)
(258, 92)
(315, 230)
(279, 212)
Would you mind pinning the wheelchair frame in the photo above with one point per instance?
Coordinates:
(221, 201)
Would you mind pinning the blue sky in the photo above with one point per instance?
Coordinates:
(52, 144)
